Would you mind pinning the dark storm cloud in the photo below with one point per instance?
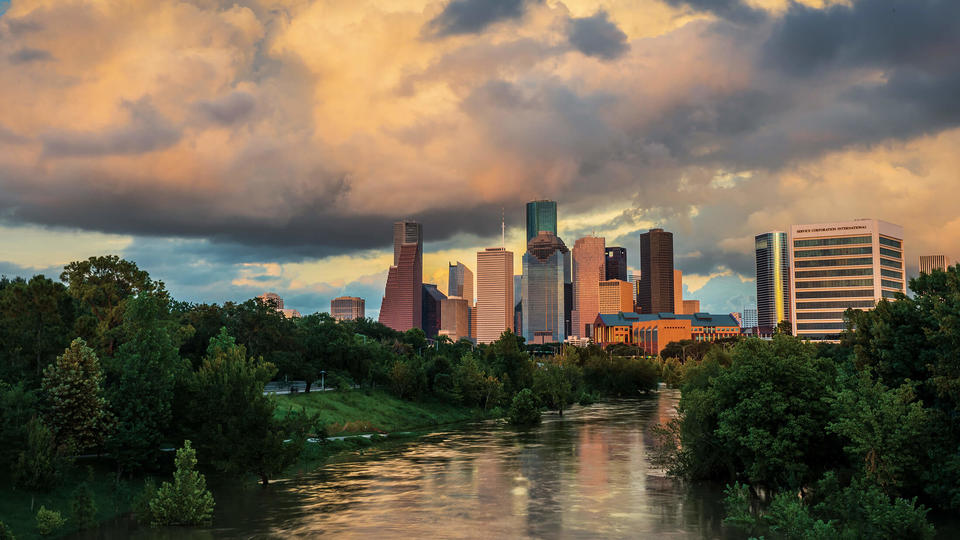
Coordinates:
(474, 16)
(26, 56)
(229, 109)
(7, 136)
(734, 10)
(707, 261)
(597, 36)
(146, 131)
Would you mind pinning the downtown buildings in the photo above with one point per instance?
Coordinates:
(589, 269)
(656, 272)
(849, 264)
(402, 304)
(495, 303)
(347, 308)
(773, 279)
(929, 263)
(546, 272)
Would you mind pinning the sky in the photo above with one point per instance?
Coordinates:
(235, 147)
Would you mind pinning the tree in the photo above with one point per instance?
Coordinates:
(35, 322)
(230, 419)
(38, 466)
(77, 412)
(186, 501)
(83, 509)
(524, 409)
(147, 364)
(17, 406)
(103, 285)
(48, 521)
(784, 328)
(556, 385)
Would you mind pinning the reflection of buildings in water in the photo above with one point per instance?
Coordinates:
(592, 463)
(542, 465)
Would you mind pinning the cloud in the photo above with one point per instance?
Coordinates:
(597, 36)
(146, 131)
(474, 16)
(734, 10)
(26, 56)
(229, 109)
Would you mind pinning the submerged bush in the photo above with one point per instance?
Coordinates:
(525, 409)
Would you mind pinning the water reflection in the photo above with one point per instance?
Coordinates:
(584, 475)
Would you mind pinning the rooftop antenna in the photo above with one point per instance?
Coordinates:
(503, 229)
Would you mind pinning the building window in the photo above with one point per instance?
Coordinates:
(833, 252)
(889, 294)
(822, 326)
(891, 273)
(839, 304)
(820, 315)
(839, 272)
(890, 253)
(835, 283)
(891, 284)
(891, 264)
(835, 294)
(890, 242)
(816, 242)
(856, 261)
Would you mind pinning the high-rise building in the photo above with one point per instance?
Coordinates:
(273, 299)
(749, 318)
(691, 307)
(616, 263)
(460, 281)
(678, 292)
(455, 318)
(546, 269)
(347, 308)
(403, 296)
(850, 264)
(494, 293)
(616, 296)
(634, 278)
(656, 272)
(541, 216)
(929, 263)
(518, 304)
(773, 278)
(430, 311)
(589, 268)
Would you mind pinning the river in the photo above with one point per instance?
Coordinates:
(583, 475)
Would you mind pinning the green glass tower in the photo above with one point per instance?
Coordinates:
(541, 216)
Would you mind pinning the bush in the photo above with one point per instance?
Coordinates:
(83, 509)
(48, 521)
(38, 466)
(186, 501)
(6, 533)
(525, 409)
(141, 503)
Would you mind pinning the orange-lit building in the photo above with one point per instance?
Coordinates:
(654, 331)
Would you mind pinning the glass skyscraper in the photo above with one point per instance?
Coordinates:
(546, 269)
(655, 293)
(773, 278)
(616, 263)
(541, 216)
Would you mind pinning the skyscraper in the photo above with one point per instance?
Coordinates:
(616, 296)
(430, 311)
(546, 269)
(656, 272)
(347, 308)
(460, 282)
(678, 292)
(616, 263)
(541, 216)
(455, 318)
(494, 293)
(850, 264)
(773, 278)
(589, 268)
(929, 263)
(403, 296)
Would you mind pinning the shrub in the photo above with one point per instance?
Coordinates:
(48, 521)
(83, 509)
(141, 503)
(6, 533)
(525, 409)
(38, 466)
(186, 501)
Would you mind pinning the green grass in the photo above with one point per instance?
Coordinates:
(373, 411)
(18, 508)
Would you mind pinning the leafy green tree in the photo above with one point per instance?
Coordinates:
(784, 328)
(38, 467)
(48, 521)
(230, 420)
(77, 411)
(186, 501)
(408, 378)
(36, 318)
(506, 360)
(147, 365)
(6, 533)
(103, 285)
(557, 385)
(524, 409)
(17, 406)
(83, 508)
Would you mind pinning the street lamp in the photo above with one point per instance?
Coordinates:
(322, 386)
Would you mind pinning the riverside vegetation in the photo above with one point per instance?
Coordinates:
(103, 374)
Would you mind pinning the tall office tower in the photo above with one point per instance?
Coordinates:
(850, 264)
(460, 281)
(749, 318)
(691, 307)
(273, 299)
(616, 263)
(634, 278)
(678, 292)
(616, 296)
(656, 272)
(518, 304)
(403, 296)
(773, 278)
(494, 293)
(430, 311)
(929, 263)
(455, 318)
(347, 308)
(541, 216)
(589, 268)
(546, 269)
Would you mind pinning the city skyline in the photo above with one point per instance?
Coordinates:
(262, 162)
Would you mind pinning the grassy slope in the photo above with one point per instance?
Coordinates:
(375, 411)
